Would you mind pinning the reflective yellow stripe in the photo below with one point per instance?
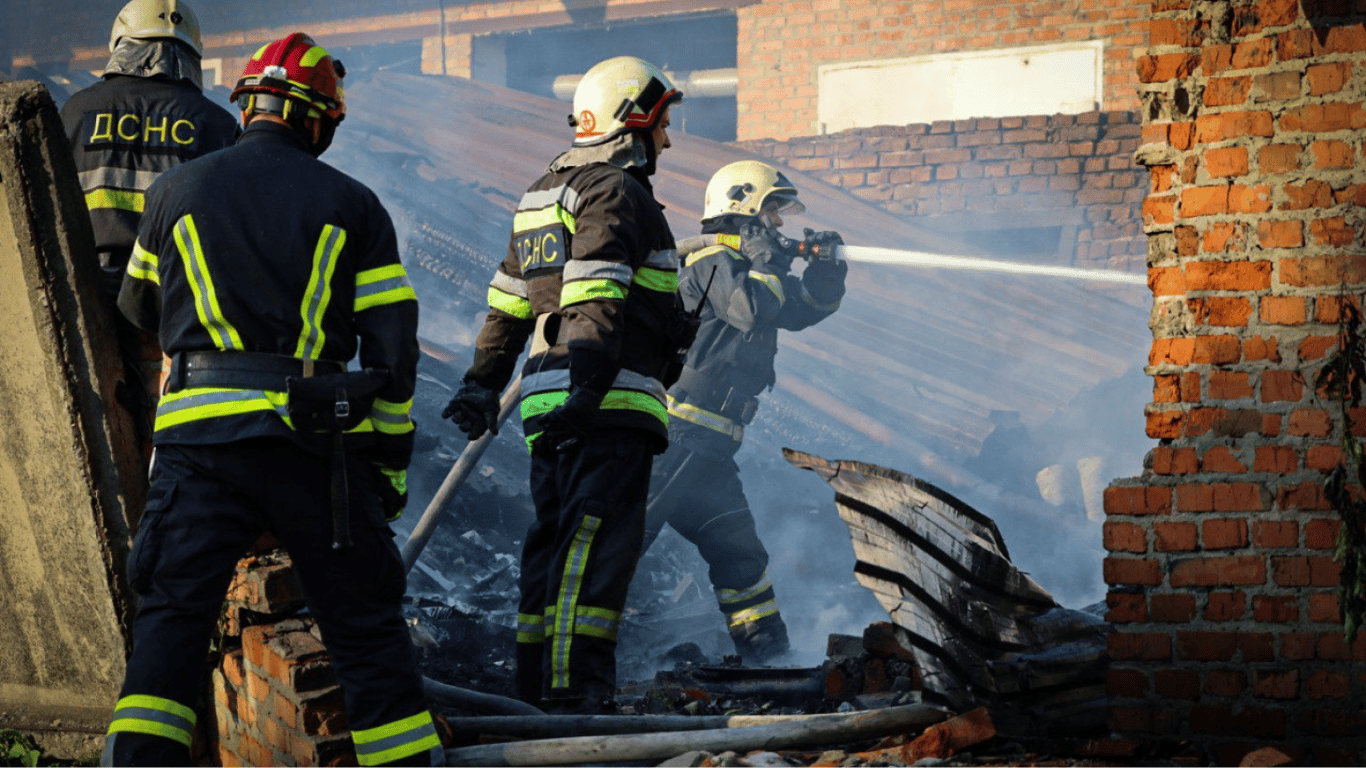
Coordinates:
(597, 622)
(196, 404)
(392, 418)
(383, 285)
(506, 302)
(530, 628)
(396, 740)
(201, 285)
(319, 293)
(754, 613)
(748, 593)
(656, 279)
(527, 221)
(571, 585)
(154, 715)
(142, 265)
(772, 282)
(587, 290)
(616, 399)
(119, 199)
(704, 418)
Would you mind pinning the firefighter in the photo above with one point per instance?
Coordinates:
(147, 115)
(264, 270)
(591, 279)
(748, 294)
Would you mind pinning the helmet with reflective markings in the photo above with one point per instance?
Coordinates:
(618, 95)
(290, 74)
(157, 19)
(745, 188)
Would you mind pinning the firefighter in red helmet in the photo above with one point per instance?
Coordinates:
(265, 270)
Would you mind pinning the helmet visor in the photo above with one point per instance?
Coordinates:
(783, 202)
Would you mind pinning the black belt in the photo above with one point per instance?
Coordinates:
(242, 370)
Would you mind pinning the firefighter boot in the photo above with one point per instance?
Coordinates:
(761, 641)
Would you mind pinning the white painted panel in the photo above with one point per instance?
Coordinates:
(1040, 80)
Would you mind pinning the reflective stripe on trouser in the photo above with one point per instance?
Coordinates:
(410, 736)
(205, 507)
(578, 560)
(749, 604)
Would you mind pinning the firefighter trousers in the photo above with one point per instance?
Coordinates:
(206, 506)
(577, 562)
(701, 497)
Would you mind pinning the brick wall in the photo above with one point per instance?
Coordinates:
(783, 42)
(1078, 167)
(276, 700)
(1222, 581)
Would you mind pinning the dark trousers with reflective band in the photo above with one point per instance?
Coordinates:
(702, 498)
(206, 506)
(577, 564)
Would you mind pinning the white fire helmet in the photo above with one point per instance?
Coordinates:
(745, 187)
(618, 95)
(152, 19)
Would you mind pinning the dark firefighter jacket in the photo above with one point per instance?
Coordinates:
(591, 276)
(263, 248)
(124, 132)
(731, 362)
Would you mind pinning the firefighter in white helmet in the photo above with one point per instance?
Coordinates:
(753, 294)
(144, 117)
(591, 279)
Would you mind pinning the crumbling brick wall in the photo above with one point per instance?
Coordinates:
(1221, 572)
(1044, 165)
(783, 42)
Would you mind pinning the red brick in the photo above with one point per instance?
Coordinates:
(1324, 607)
(1239, 497)
(1175, 537)
(1176, 608)
(1225, 682)
(1279, 158)
(1324, 118)
(1275, 609)
(1328, 309)
(1327, 78)
(1177, 683)
(1331, 153)
(1175, 461)
(1206, 646)
(232, 667)
(1246, 199)
(1331, 231)
(1343, 39)
(1164, 67)
(1284, 310)
(1229, 385)
(1125, 537)
(1321, 533)
(1312, 422)
(1324, 572)
(1146, 646)
(1252, 54)
(1224, 534)
(1130, 683)
(1204, 201)
(1267, 13)
(1166, 389)
(1158, 209)
(1290, 571)
(1178, 351)
(1295, 44)
(1227, 91)
(1181, 135)
(1163, 423)
(1138, 500)
(1184, 33)
(1219, 571)
(1278, 459)
(1190, 384)
(1326, 684)
(1215, 59)
(1225, 606)
(1276, 684)
(1316, 347)
(1217, 349)
(1126, 607)
(1275, 534)
(1302, 496)
(1313, 193)
(1167, 281)
(1195, 498)
(1132, 571)
(1258, 348)
(1282, 387)
(1138, 719)
(1228, 275)
(1298, 646)
(1221, 237)
(1278, 86)
(1323, 458)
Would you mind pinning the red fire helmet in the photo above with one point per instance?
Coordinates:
(296, 69)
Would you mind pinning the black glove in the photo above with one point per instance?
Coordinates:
(393, 490)
(474, 409)
(764, 247)
(565, 427)
(820, 246)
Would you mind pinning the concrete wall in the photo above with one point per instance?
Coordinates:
(1223, 583)
(69, 472)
